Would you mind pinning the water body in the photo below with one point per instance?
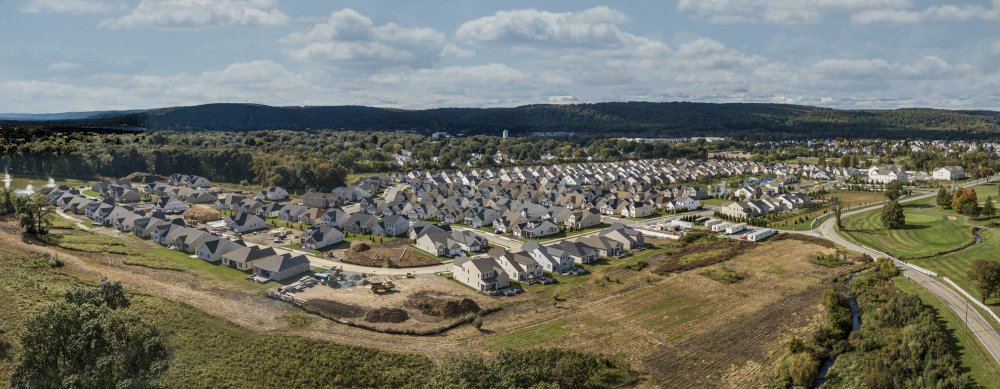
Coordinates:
(825, 367)
(27, 186)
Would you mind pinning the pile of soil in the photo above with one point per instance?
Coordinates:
(439, 304)
(359, 246)
(336, 309)
(387, 315)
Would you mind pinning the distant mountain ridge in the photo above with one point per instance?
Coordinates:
(634, 119)
(67, 115)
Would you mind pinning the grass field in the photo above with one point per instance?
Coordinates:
(91, 193)
(713, 201)
(531, 336)
(982, 192)
(925, 233)
(208, 351)
(955, 265)
(973, 358)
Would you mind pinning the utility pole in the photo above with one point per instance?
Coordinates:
(966, 315)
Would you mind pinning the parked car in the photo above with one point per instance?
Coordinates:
(278, 240)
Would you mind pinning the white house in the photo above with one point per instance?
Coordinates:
(481, 273)
(273, 193)
(319, 237)
(949, 173)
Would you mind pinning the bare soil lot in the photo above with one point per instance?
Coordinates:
(429, 303)
(396, 250)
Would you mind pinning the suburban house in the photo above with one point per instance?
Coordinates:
(637, 209)
(280, 267)
(319, 237)
(188, 180)
(334, 217)
(270, 210)
(628, 236)
(312, 216)
(478, 217)
(534, 229)
(481, 273)
(243, 222)
(584, 219)
(885, 173)
(438, 243)
(201, 197)
(551, 260)
(360, 223)
(169, 205)
(213, 250)
(949, 173)
(419, 228)
(244, 258)
(273, 193)
(605, 246)
(578, 252)
(372, 206)
(391, 225)
(518, 265)
(422, 211)
(683, 203)
(321, 200)
(470, 241)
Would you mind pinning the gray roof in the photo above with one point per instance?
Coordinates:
(282, 262)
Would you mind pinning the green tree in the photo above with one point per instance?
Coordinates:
(35, 211)
(985, 274)
(892, 216)
(91, 340)
(838, 210)
(893, 190)
(989, 210)
(943, 198)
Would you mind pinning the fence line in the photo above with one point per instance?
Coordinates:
(898, 262)
(974, 301)
(866, 205)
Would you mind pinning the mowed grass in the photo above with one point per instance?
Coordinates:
(957, 264)
(982, 192)
(926, 233)
(973, 358)
(531, 336)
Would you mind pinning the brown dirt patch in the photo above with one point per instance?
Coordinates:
(952, 218)
(387, 315)
(336, 309)
(439, 304)
(722, 249)
(364, 253)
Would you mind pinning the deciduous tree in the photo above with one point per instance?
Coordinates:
(985, 274)
(892, 216)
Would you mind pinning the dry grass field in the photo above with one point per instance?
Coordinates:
(681, 328)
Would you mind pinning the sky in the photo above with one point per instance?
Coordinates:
(89, 55)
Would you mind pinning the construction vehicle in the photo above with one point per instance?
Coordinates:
(382, 286)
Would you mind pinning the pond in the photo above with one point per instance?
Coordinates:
(30, 185)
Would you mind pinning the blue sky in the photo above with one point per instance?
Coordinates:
(79, 55)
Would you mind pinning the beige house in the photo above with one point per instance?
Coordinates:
(484, 274)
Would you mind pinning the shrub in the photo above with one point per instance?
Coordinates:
(478, 322)
(795, 344)
(803, 368)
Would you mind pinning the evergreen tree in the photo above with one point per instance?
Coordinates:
(892, 216)
(989, 210)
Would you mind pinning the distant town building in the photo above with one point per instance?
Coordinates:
(731, 155)
(505, 134)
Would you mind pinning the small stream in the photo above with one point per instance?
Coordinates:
(979, 238)
(825, 367)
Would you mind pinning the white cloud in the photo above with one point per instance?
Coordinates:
(351, 51)
(58, 66)
(595, 27)
(70, 6)
(780, 11)
(930, 67)
(885, 17)
(198, 14)
(946, 13)
(350, 36)
(699, 54)
(996, 48)
(452, 51)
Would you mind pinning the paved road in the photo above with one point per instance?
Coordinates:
(981, 327)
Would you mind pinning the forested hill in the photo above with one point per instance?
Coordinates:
(632, 118)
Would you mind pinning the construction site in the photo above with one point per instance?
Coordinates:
(394, 253)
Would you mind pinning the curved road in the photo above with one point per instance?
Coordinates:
(978, 324)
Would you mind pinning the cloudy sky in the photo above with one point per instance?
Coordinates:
(77, 55)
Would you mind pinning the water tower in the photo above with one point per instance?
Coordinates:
(505, 134)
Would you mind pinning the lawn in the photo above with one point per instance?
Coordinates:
(198, 265)
(565, 234)
(926, 233)
(955, 265)
(531, 336)
(982, 192)
(287, 224)
(91, 193)
(713, 201)
(439, 258)
(973, 359)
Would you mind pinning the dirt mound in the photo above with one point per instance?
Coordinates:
(144, 178)
(387, 315)
(359, 246)
(336, 309)
(440, 304)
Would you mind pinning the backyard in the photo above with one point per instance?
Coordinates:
(925, 233)
(564, 234)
